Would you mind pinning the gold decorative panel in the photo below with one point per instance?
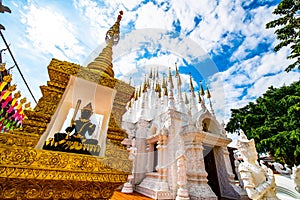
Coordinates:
(29, 173)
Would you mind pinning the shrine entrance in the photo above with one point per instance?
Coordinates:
(211, 169)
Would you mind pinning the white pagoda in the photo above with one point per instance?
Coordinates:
(180, 149)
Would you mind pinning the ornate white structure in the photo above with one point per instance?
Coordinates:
(181, 147)
(128, 187)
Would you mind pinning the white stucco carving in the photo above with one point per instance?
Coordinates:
(258, 181)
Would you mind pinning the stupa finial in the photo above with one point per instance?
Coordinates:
(103, 62)
(208, 95)
(201, 89)
(170, 80)
(113, 34)
(177, 75)
(192, 86)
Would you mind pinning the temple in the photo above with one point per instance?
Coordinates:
(155, 139)
(181, 149)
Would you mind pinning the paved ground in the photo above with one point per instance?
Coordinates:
(285, 191)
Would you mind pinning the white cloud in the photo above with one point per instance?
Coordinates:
(250, 79)
(50, 32)
(150, 16)
(261, 85)
(255, 32)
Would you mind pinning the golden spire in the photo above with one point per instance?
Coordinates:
(199, 97)
(201, 89)
(192, 86)
(165, 91)
(164, 83)
(178, 76)
(156, 87)
(176, 70)
(145, 85)
(103, 62)
(129, 104)
(158, 90)
(207, 92)
(136, 95)
(140, 91)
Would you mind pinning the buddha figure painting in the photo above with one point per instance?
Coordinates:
(79, 133)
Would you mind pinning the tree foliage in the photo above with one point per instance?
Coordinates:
(288, 29)
(273, 121)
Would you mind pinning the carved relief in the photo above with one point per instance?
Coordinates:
(40, 189)
(27, 173)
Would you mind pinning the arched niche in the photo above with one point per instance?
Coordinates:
(208, 123)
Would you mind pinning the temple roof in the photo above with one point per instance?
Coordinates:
(158, 95)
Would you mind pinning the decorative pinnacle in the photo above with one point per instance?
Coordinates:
(103, 62)
(170, 80)
(207, 92)
(199, 98)
(192, 86)
(145, 85)
(140, 91)
(113, 34)
(158, 89)
(151, 75)
(201, 89)
(176, 70)
(135, 96)
(163, 83)
(179, 83)
(186, 101)
(129, 104)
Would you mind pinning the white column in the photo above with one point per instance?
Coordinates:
(161, 167)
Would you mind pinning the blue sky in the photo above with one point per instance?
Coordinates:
(224, 43)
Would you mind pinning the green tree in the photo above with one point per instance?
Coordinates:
(273, 121)
(288, 29)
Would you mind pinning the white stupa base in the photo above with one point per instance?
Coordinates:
(127, 188)
(182, 194)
